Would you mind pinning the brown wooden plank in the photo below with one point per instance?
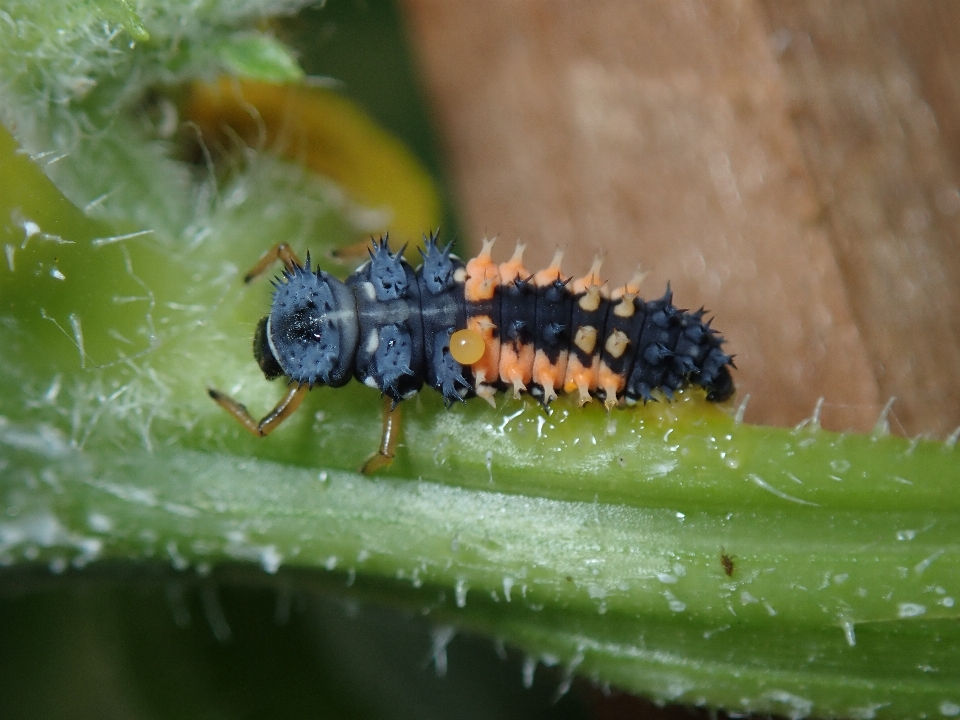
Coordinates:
(877, 108)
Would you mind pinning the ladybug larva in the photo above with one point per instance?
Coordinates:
(473, 329)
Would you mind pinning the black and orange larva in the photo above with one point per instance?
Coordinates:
(473, 329)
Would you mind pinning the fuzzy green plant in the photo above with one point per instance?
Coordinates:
(668, 550)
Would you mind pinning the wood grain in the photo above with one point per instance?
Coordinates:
(784, 164)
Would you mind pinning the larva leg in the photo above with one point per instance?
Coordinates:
(284, 409)
(282, 252)
(388, 443)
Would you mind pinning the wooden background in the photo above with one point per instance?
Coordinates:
(790, 165)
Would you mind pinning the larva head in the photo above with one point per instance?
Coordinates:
(311, 333)
(262, 352)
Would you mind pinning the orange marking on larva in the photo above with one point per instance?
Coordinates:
(488, 393)
(590, 280)
(516, 366)
(548, 375)
(632, 287)
(551, 274)
(513, 268)
(516, 363)
(611, 383)
(482, 276)
(486, 369)
(582, 378)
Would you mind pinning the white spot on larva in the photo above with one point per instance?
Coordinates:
(56, 274)
(947, 602)
(331, 562)
(373, 342)
(370, 382)
(460, 590)
(909, 610)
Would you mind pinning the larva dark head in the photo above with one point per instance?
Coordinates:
(262, 352)
(437, 270)
(311, 332)
(387, 275)
(722, 387)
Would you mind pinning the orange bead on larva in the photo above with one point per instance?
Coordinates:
(467, 346)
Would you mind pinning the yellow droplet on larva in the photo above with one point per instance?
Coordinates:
(467, 346)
